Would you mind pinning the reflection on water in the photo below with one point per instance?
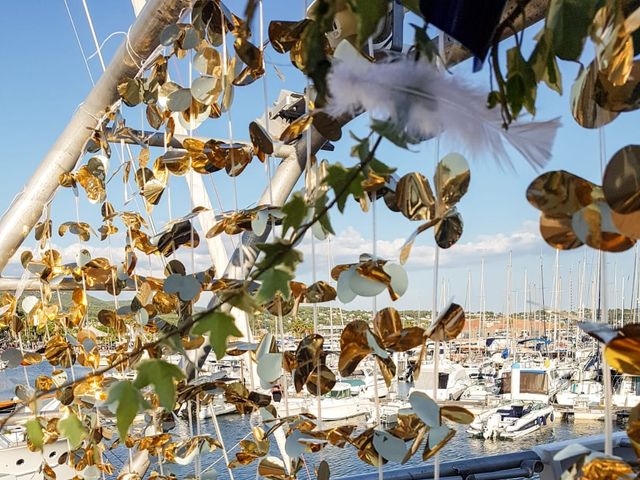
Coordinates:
(343, 462)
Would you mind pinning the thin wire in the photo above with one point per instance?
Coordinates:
(75, 31)
(606, 371)
(93, 34)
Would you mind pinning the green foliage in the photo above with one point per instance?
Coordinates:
(369, 13)
(323, 220)
(544, 64)
(295, 211)
(339, 177)
(316, 63)
(219, 326)
(35, 433)
(521, 83)
(274, 280)
(71, 428)
(568, 23)
(381, 168)
(389, 131)
(280, 252)
(129, 402)
(161, 375)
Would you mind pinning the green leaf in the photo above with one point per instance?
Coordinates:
(71, 428)
(279, 252)
(34, 433)
(521, 83)
(338, 177)
(161, 375)
(493, 99)
(568, 22)
(129, 400)
(544, 64)
(315, 62)
(274, 280)
(219, 326)
(361, 149)
(381, 168)
(369, 13)
(295, 211)
(323, 220)
(389, 131)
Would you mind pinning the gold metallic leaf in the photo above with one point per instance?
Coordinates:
(207, 62)
(327, 126)
(622, 98)
(586, 112)
(414, 197)
(296, 128)
(621, 181)
(449, 229)
(603, 468)
(451, 179)
(272, 468)
(354, 346)
(388, 326)
(559, 193)
(558, 232)
(448, 325)
(284, 34)
(248, 53)
(457, 414)
(594, 226)
(260, 138)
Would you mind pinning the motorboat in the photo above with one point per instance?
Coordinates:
(587, 392)
(17, 462)
(524, 408)
(511, 420)
(626, 393)
(338, 404)
(217, 407)
(453, 380)
(366, 384)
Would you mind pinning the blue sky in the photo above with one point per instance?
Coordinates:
(44, 79)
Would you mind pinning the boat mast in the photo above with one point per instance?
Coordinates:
(542, 311)
(525, 316)
(467, 308)
(481, 328)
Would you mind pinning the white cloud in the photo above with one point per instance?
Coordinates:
(350, 243)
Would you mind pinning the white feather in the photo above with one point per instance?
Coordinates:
(425, 102)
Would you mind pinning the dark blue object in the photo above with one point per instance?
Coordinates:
(505, 353)
(471, 22)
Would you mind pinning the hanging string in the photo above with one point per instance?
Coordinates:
(279, 316)
(75, 32)
(606, 371)
(93, 34)
(436, 269)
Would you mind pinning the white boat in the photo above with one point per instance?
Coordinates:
(453, 380)
(525, 393)
(338, 404)
(17, 462)
(512, 420)
(587, 392)
(363, 384)
(217, 406)
(626, 392)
